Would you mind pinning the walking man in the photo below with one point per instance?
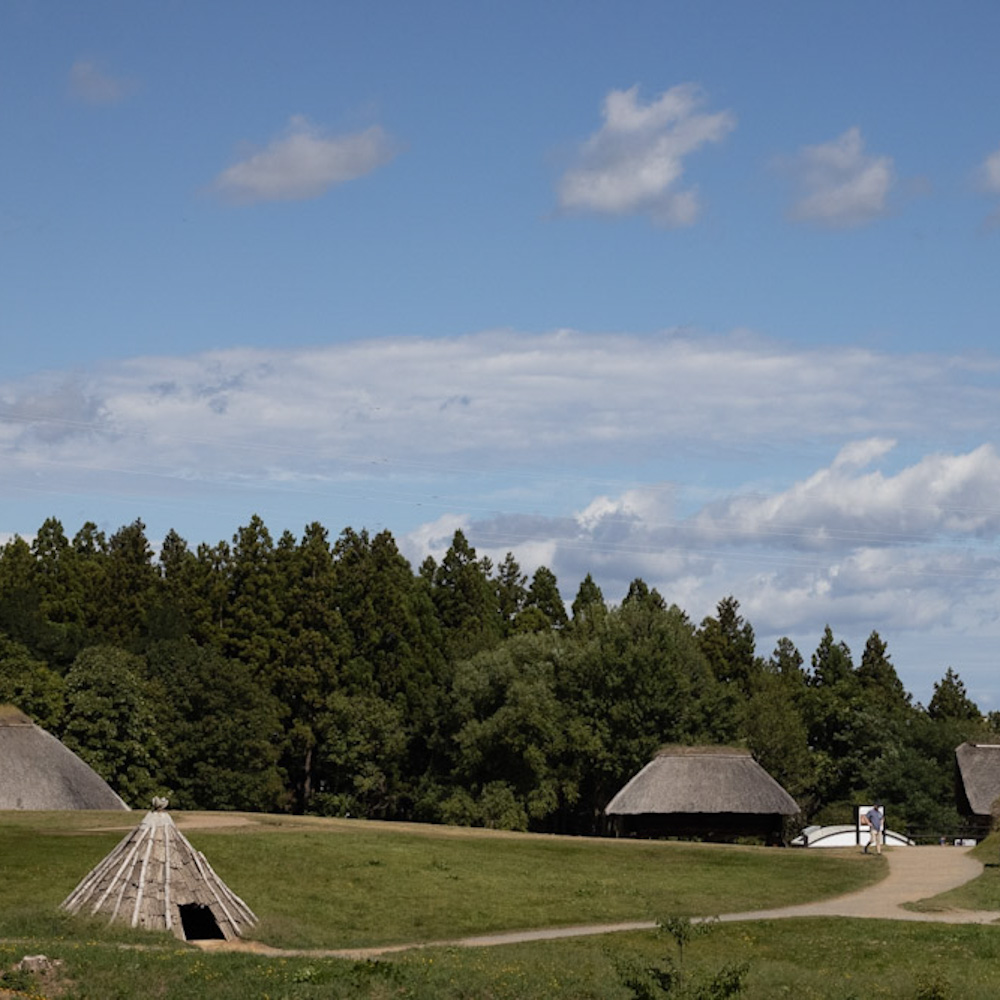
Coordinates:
(875, 817)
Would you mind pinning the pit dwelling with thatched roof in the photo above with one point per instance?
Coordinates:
(39, 772)
(708, 793)
(155, 879)
(977, 785)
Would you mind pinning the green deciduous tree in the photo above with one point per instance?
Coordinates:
(511, 733)
(221, 732)
(30, 685)
(635, 681)
(360, 760)
(110, 721)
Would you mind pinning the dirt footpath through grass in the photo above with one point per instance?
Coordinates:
(914, 873)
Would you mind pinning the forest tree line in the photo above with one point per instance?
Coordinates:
(329, 677)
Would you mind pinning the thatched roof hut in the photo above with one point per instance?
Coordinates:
(978, 785)
(155, 879)
(38, 772)
(716, 793)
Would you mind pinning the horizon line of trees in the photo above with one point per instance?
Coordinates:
(330, 677)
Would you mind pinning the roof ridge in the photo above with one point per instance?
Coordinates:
(11, 715)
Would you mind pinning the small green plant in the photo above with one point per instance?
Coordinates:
(668, 979)
(934, 987)
(683, 930)
(18, 981)
(305, 975)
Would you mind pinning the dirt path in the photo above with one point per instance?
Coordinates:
(914, 873)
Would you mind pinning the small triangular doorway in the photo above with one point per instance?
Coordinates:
(199, 923)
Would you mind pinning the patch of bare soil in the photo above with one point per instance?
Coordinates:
(250, 947)
(212, 820)
(190, 821)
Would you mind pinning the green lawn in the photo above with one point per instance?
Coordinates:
(346, 884)
(982, 893)
(331, 884)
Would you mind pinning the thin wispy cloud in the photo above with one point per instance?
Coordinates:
(635, 163)
(304, 162)
(89, 83)
(989, 173)
(513, 397)
(509, 396)
(839, 184)
(988, 179)
(867, 494)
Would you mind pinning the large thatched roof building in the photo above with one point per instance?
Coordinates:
(716, 793)
(38, 772)
(978, 785)
(157, 880)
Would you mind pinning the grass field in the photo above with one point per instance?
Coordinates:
(336, 884)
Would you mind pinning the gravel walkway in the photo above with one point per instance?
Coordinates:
(914, 873)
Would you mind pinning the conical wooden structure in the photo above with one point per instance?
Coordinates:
(155, 879)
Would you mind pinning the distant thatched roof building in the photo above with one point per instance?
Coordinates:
(717, 793)
(155, 879)
(978, 785)
(38, 772)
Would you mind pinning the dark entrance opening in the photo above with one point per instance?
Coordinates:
(198, 922)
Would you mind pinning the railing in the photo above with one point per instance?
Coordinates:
(947, 837)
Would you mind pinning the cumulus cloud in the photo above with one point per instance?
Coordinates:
(910, 553)
(305, 162)
(839, 184)
(91, 84)
(843, 506)
(634, 164)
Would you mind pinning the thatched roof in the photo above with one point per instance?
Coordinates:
(979, 770)
(702, 780)
(38, 772)
(157, 880)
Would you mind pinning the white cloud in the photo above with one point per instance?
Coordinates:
(840, 185)
(305, 162)
(89, 83)
(988, 178)
(634, 163)
(842, 506)
(815, 485)
(498, 399)
(910, 554)
(989, 173)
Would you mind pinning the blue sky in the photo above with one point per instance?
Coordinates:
(702, 292)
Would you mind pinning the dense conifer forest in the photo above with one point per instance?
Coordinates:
(327, 676)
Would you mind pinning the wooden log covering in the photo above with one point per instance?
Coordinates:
(154, 871)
